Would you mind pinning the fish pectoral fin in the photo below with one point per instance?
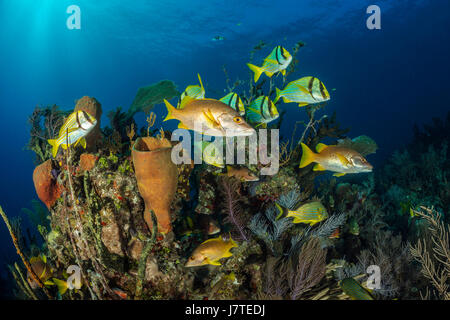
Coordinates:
(342, 159)
(213, 262)
(318, 167)
(283, 72)
(212, 123)
(227, 254)
(339, 174)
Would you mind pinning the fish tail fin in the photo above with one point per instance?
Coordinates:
(307, 157)
(282, 212)
(201, 83)
(278, 92)
(62, 285)
(170, 110)
(257, 70)
(55, 146)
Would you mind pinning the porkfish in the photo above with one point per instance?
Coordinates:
(208, 116)
(262, 111)
(194, 91)
(210, 153)
(341, 160)
(73, 132)
(211, 251)
(41, 269)
(277, 61)
(304, 91)
(234, 101)
(309, 213)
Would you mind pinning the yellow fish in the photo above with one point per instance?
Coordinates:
(74, 130)
(354, 289)
(211, 251)
(341, 160)
(210, 154)
(194, 91)
(41, 269)
(262, 111)
(277, 61)
(305, 91)
(208, 116)
(234, 101)
(309, 213)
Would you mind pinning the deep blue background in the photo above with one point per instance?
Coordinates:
(385, 80)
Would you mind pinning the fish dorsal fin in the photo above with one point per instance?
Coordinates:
(213, 240)
(320, 147)
(35, 259)
(201, 83)
(342, 159)
(185, 101)
(44, 258)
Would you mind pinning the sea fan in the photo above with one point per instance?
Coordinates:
(233, 210)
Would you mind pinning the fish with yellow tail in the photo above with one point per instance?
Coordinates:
(277, 61)
(42, 270)
(210, 154)
(309, 213)
(208, 116)
(73, 132)
(304, 91)
(234, 101)
(354, 289)
(262, 111)
(211, 251)
(194, 91)
(340, 160)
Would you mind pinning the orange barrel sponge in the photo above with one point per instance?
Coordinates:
(47, 188)
(157, 178)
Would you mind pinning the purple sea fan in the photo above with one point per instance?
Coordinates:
(233, 210)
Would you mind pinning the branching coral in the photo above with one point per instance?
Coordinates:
(434, 256)
(234, 212)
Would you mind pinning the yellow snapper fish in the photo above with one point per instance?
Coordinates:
(304, 91)
(210, 154)
(341, 160)
(208, 116)
(235, 102)
(277, 61)
(262, 111)
(74, 130)
(309, 213)
(211, 251)
(354, 289)
(194, 91)
(42, 270)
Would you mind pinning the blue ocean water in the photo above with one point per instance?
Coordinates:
(386, 80)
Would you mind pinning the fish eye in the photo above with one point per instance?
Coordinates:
(237, 119)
